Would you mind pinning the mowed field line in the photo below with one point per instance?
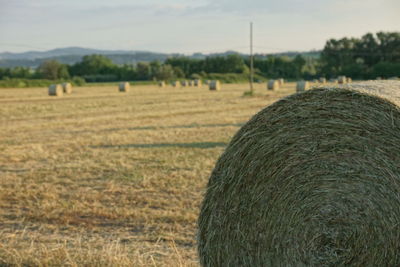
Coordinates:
(100, 178)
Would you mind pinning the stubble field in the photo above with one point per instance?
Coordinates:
(102, 178)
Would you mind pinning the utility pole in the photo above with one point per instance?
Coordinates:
(251, 58)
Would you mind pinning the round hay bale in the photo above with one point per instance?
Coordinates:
(124, 87)
(67, 88)
(342, 79)
(176, 84)
(322, 80)
(184, 83)
(349, 80)
(273, 85)
(207, 82)
(333, 80)
(281, 81)
(190, 83)
(55, 90)
(214, 85)
(161, 84)
(311, 180)
(197, 83)
(302, 86)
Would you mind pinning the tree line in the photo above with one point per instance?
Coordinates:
(367, 57)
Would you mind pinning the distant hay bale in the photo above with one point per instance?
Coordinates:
(207, 82)
(302, 86)
(281, 81)
(322, 80)
(161, 84)
(176, 84)
(214, 85)
(190, 83)
(349, 80)
(342, 79)
(67, 88)
(124, 87)
(315, 81)
(55, 90)
(332, 80)
(394, 78)
(311, 180)
(184, 83)
(378, 78)
(197, 83)
(273, 85)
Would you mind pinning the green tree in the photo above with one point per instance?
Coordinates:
(53, 70)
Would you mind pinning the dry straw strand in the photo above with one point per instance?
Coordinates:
(312, 180)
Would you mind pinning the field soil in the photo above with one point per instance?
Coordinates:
(103, 178)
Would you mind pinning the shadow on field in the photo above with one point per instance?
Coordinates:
(162, 145)
(193, 125)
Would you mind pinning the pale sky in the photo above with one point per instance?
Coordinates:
(187, 26)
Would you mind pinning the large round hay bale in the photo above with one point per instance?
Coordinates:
(197, 83)
(55, 90)
(124, 87)
(184, 83)
(302, 86)
(67, 88)
(312, 180)
(342, 79)
(273, 85)
(214, 85)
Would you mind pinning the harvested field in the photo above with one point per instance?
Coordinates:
(104, 178)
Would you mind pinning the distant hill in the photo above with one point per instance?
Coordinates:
(71, 55)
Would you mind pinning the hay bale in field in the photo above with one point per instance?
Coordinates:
(124, 87)
(342, 79)
(197, 83)
(214, 85)
(393, 78)
(207, 82)
(378, 78)
(302, 86)
(333, 80)
(311, 180)
(161, 84)
(184, 83)
(176, 84)
(273, 85)
(67, 88)
(281, 81)
(322, 80)
(349, 80)
(190, 83)
(55, 90)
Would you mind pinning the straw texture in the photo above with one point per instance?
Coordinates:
(312, 180)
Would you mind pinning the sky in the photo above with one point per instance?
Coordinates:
(188, 26)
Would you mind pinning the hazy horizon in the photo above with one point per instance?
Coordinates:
(187, 27)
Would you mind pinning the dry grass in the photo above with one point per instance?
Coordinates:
(99, 178)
